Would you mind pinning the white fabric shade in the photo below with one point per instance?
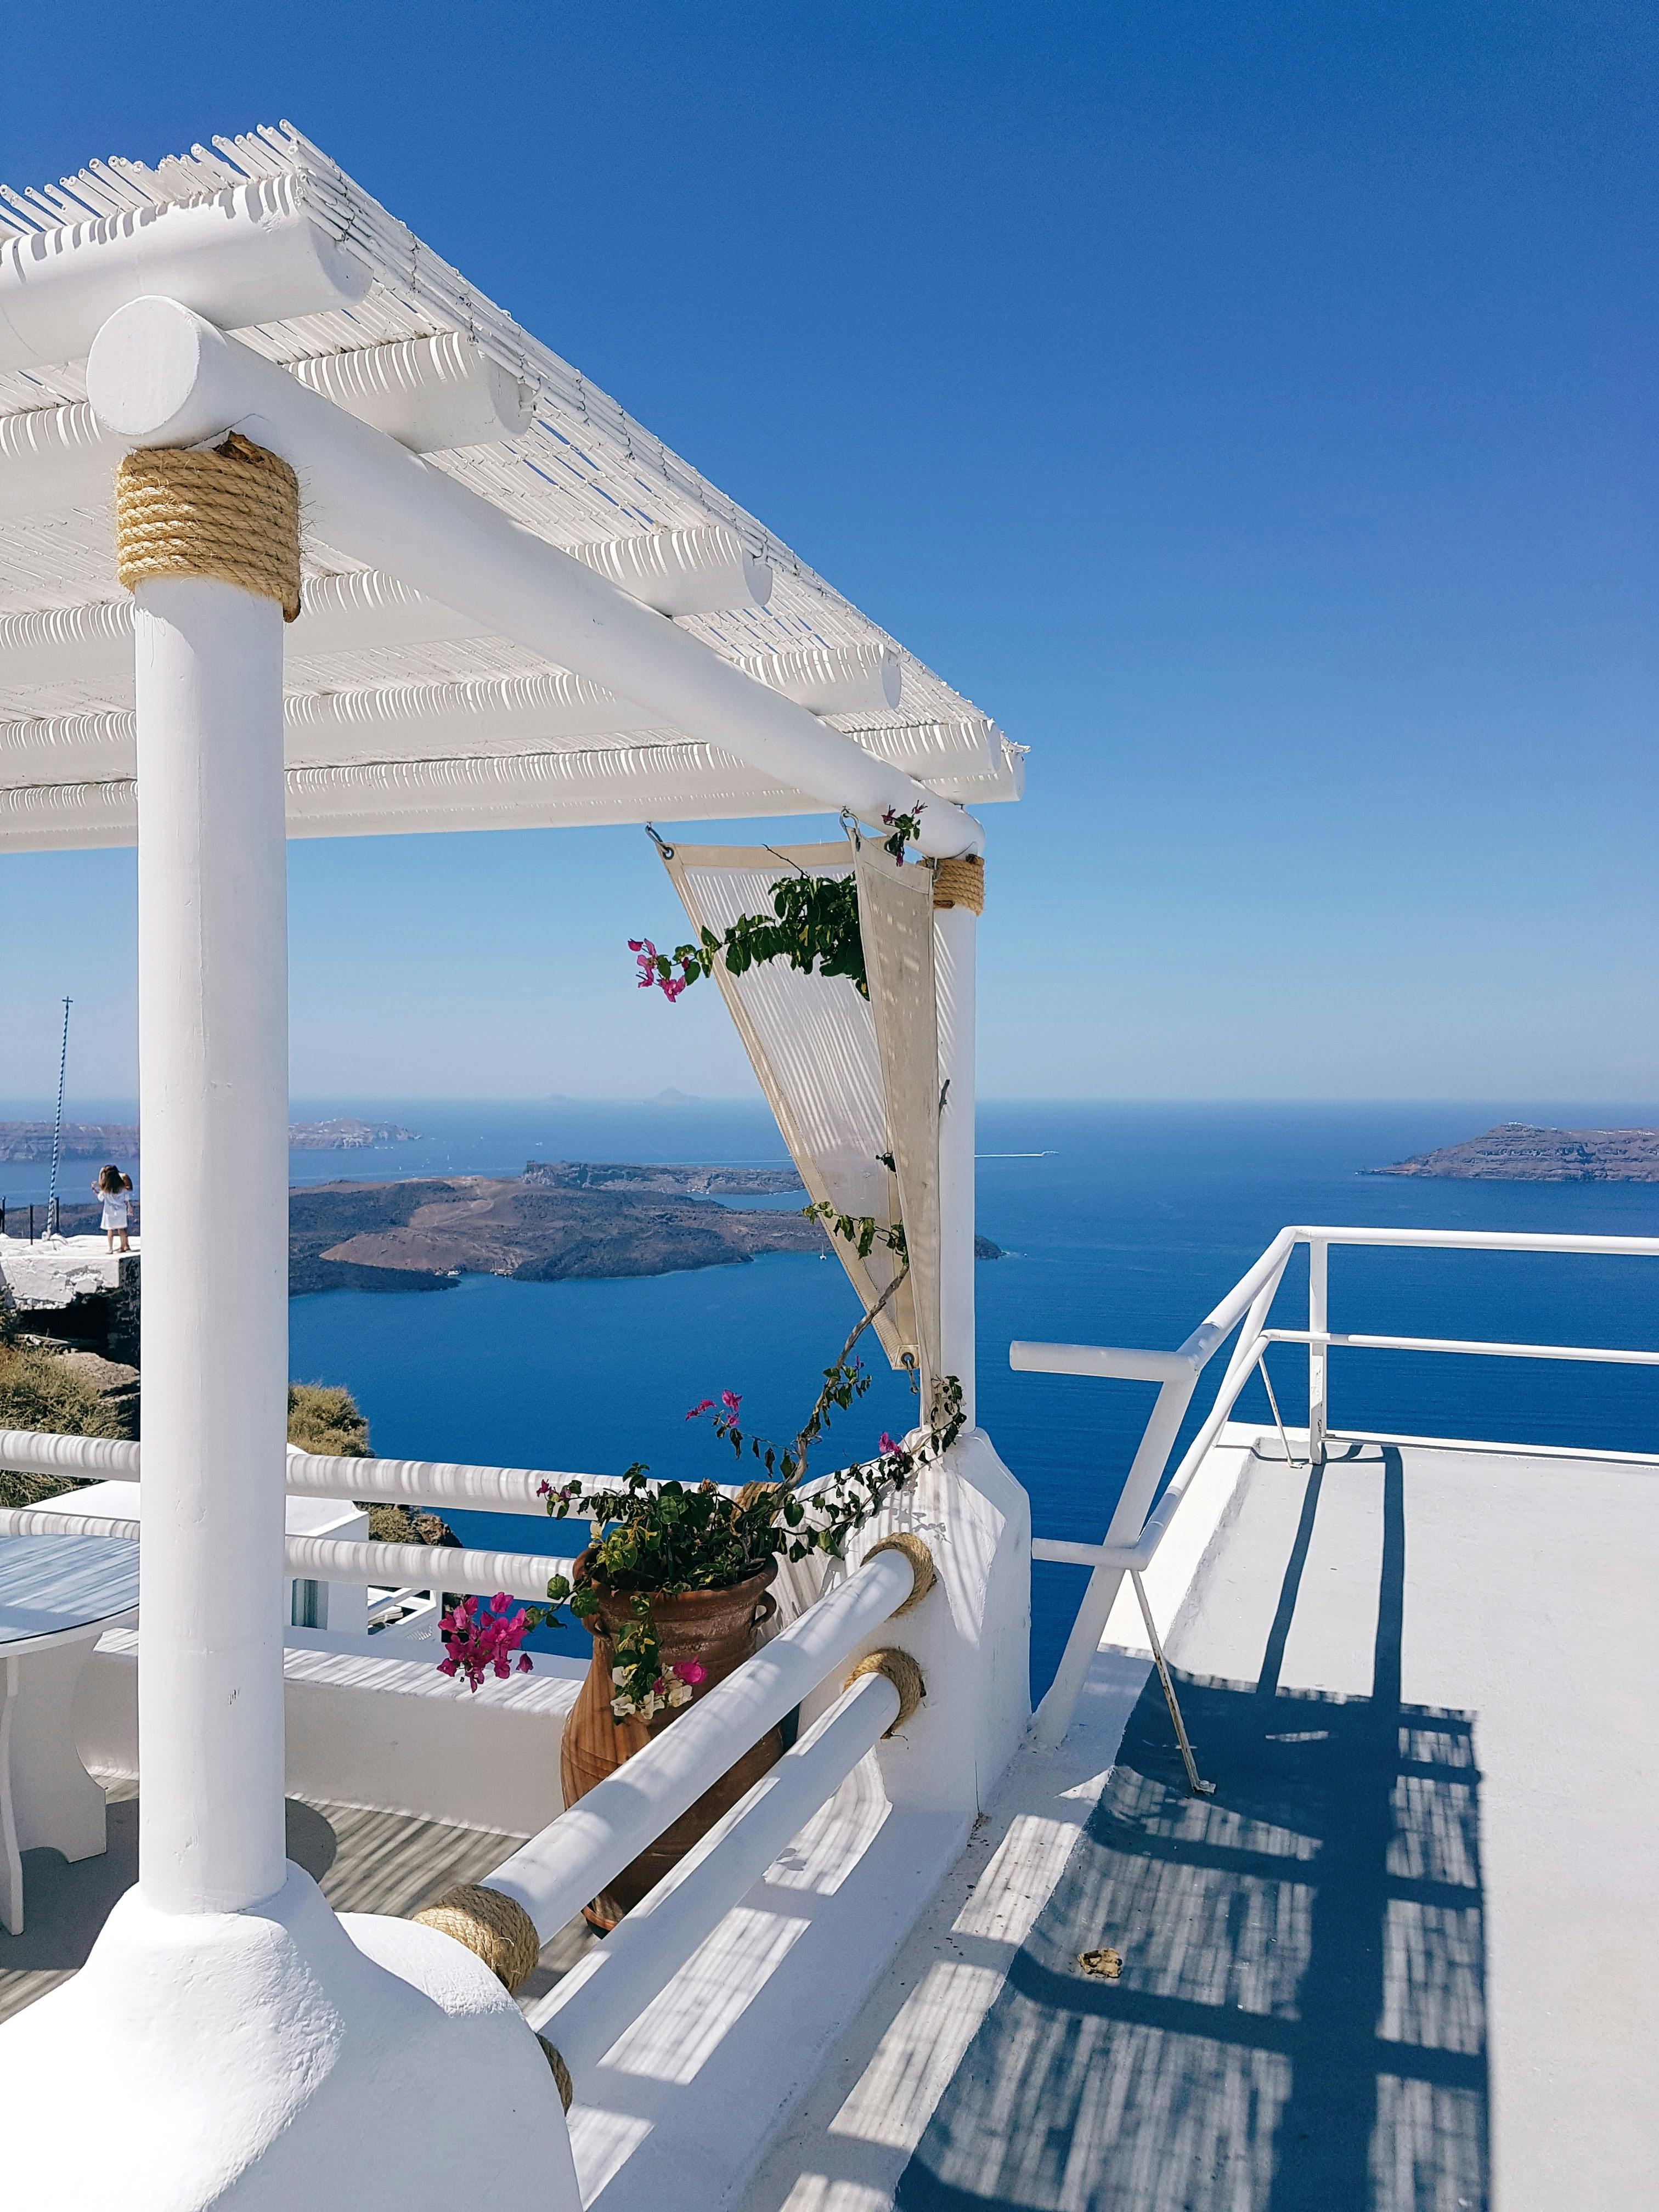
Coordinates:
(815, 1046)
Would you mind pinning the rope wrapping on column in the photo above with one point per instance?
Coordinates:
(922, 1564)
(960, 883)
(494, 1927)
(561, 2081)
(233, 514)
(902, 1672)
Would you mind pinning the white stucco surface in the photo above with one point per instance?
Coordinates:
(51, 1271)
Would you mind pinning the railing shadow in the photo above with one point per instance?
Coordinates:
(1300, 2021)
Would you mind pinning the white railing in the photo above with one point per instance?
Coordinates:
(316, 1474)
(1136, 1530)
(577, 1855)
(311, 1475)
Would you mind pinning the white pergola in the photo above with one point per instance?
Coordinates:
(519, 610)
(406, 710)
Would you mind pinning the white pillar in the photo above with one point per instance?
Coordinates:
(213, 1092)
(955, 944)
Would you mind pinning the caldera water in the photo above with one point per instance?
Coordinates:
(1119, 1224)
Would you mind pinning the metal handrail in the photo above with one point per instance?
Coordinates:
(1135, 1531)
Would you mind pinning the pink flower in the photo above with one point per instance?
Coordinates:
(702, 1408)
(690, 1671)
(731, 1400)
(889, 1448)
(479, 1643)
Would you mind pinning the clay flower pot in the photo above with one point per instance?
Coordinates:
(717, 1628)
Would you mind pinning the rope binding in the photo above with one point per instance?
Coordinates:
(232, 514)
(960, 883)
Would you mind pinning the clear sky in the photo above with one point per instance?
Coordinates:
(1250, 406)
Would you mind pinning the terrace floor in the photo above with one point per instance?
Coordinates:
(365, 1862)
(1405, 1957)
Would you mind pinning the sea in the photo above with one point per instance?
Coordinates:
(1119, 1224)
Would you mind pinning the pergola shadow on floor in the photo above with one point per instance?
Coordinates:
(1299, 2021)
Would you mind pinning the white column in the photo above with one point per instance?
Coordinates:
(956, 944)
(213, 1092)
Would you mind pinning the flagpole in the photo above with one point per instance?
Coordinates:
(57, 1128)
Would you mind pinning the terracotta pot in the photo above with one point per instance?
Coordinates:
(718, 1629)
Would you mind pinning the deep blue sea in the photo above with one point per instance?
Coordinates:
(1120, 1224)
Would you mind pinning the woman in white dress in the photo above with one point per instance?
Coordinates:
(115, 1189)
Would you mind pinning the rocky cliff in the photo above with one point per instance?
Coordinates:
(1516, 1153)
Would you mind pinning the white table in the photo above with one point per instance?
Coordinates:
(57, 1595)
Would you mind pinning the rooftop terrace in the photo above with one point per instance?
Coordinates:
(1403, 1957)
(1406, 1955)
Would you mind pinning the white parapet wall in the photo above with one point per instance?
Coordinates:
(371, 1722)
(684, 2105)
(53, 1271)
(972, 1641)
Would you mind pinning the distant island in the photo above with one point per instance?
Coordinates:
(1516, 1153)
(562, 1219)
(345, 1134)
(684, 1182)
(31, 1141)
(420, 1234)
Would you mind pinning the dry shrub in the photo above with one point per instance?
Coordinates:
(39, 1390)
(323, 1418)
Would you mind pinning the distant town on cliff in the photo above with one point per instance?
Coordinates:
(31, 1141)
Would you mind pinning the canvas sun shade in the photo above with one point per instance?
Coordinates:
(847, 1079)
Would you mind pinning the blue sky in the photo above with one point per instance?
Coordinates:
(1250, 406)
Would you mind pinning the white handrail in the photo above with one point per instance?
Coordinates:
(424, 1566)
(1128, 1543)
(336, 1559)
(29, 1451)
(613, 1985)
(41, 1520)
(1130, 1363)
(572, 1858)
(320, 1474)
(1470, 1346)
(1482, 1240)
(425, 1482)
(1135, 1534)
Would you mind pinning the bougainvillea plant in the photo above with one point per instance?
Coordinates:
(662, 1539)
(484, 1640)
(813, 925)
